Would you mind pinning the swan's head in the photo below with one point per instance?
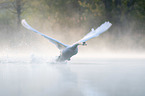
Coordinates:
(83, 43)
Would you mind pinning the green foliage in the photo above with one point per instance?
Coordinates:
(77, 12)
(127, 16)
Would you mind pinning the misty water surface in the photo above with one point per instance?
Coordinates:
(94, 77)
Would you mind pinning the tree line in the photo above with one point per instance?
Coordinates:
(127, 16)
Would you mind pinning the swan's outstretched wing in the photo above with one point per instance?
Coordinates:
(94, 33)
(58, 44)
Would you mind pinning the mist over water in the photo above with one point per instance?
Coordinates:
(110, 65)
(108, 44)
(97, 69)
(89, 77)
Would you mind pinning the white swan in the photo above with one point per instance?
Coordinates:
(68, 51)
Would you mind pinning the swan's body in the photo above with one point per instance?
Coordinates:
(68, 51)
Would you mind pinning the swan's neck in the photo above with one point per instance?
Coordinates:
(75, 46)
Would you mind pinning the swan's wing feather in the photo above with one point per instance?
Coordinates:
(94, 33)
(58, 44)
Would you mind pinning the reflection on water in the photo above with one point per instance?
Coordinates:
(106, 77)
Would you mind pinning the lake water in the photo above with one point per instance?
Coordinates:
(80, 77)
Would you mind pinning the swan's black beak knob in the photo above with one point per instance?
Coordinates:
(84, 44)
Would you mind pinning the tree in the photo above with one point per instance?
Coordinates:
(108, 8)
(18, 7)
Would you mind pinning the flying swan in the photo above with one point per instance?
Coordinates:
(67, 51)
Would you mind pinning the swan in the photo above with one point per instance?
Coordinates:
(67, 51)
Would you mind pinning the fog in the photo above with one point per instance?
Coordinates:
(108, 45)
(89, 77)
(113, 43)
(111, 64)
(107, 66)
